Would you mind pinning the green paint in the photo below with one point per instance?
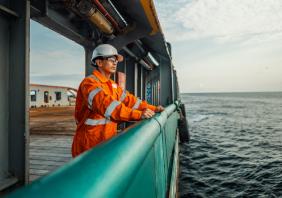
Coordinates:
(136, 163)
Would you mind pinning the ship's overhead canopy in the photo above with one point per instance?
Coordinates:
(118, 22)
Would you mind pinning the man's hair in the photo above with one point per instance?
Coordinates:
(93, 62)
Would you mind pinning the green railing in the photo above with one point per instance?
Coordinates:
(136, 163)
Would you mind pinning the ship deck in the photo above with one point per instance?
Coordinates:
(51, 135)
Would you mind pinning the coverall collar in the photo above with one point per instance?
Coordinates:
(100, 76)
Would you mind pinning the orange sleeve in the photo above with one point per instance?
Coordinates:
(133, 102)
(145, 105)
(101, 102)
(125, 97)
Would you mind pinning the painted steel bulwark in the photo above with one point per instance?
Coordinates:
(88, 57)
(19, 92)
(165, 82)
(4, 99)
(133, 164)
(173, 192)
(14, 66)
(130, 74)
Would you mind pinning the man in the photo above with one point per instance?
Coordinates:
(101, 103)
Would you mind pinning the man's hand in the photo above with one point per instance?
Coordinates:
(159, 108)
(147, 113)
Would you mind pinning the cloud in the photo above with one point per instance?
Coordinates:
(47, 38)
(56, 62)
(57, 67)
(54, 59)
(221, 20)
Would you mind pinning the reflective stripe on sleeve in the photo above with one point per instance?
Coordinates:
(111, 108)
(123, 95)
(91, 95)
(95, 122)
(137, 104)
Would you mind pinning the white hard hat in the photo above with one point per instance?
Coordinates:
(105, 50)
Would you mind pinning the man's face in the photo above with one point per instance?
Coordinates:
(108, 65)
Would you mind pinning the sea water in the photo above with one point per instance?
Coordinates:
(236, 145)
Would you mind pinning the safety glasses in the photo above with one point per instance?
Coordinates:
(113, 59)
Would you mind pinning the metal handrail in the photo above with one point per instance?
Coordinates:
(106, 170)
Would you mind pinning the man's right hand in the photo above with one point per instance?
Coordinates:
(147, 113)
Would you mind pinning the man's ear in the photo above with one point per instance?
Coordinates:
(98, 62)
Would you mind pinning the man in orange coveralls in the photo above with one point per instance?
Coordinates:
(101, 103)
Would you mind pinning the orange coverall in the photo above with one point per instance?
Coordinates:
(100, 104)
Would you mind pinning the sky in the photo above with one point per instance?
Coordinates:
(54, 59)
(217, 46)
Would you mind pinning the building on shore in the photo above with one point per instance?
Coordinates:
(51, 96)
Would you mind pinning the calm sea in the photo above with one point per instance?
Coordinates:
(236, 145)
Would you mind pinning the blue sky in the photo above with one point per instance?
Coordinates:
(217, 45)
(54, 60)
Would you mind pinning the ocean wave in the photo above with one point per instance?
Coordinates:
(235, 147)
(233, 107)
(218, 113)
(198, 118)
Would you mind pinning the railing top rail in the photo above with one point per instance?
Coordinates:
(89, 174)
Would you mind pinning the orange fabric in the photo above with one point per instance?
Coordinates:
(88, 136)
(130, 101)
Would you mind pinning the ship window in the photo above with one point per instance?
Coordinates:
(58, 95)
(33, 95)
